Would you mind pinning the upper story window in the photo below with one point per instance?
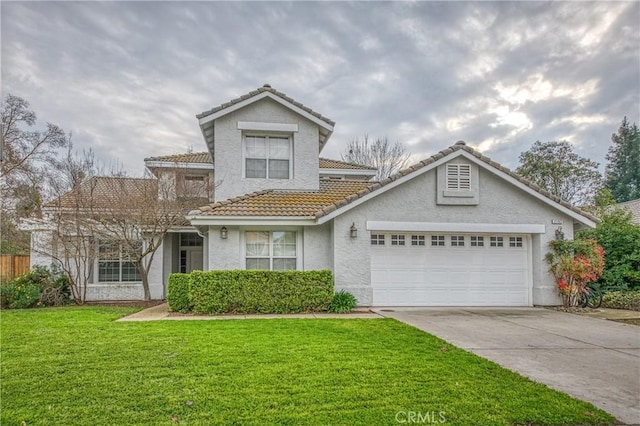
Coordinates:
(267, 157)
(458, 177)
(193, 186)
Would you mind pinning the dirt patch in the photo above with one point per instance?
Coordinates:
(632, 321)
(573, 309)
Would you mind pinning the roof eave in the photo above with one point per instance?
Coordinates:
(200, 219)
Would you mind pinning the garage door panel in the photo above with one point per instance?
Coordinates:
(450, 275)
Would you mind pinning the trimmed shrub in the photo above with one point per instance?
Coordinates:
(342, 302)
(248, 292)
(178, 293)
(622, 300)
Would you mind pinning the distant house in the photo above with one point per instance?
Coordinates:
(632, 206)
(455, 229)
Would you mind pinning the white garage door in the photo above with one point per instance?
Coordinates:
(450, 269)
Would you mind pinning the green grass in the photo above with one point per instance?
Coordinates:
(77, 366)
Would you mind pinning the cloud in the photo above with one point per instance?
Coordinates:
(128, 77)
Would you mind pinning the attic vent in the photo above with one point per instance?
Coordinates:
(458, 177)
(267, 85)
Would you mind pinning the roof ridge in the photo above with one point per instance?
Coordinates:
(348, 162)
(259, 90)
(175, 155)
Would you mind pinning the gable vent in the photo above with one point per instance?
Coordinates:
(458, 177)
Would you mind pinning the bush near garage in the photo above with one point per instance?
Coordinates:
(253, 291)
(622, 300)
(620, 238)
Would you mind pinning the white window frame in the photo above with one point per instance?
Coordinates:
(418, 240)
(496, 241)
(457, 241)
(271, 257)
(121, 259)
(516, 242)
(458, 177)
(378, 239)
(438, 241)
(476, 241)
(266, 136)
(397, 240)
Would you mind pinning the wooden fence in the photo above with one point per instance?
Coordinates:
(13, 266)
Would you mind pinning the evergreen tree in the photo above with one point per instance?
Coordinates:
(623, 170)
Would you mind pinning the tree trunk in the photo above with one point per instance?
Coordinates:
(145, 281)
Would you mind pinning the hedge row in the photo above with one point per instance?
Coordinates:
(250, 292)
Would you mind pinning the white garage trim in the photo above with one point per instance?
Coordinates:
(509, 228)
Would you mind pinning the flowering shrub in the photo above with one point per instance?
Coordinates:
(575, 264)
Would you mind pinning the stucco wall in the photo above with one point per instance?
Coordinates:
(415, 201)
(228, 151)
(318, 247)
(315, 247)
(224, 253)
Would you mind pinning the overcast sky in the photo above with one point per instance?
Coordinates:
(128, 78)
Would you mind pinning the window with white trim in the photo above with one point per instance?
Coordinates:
(477, 241)
(417, 240)
(457, 241)
(515, 241)
(437, 240)
(496, 242)
(397, 240)
(115, 263)
(377, 239)
(267, 157)
(458, 177)
(274, 251)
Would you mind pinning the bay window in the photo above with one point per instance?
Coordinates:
(274, 250)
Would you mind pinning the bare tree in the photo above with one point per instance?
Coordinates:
(386, 157)
(24, 155)
(142, 211)
(66, 233)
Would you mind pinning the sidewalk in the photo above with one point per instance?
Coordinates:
(161, 312)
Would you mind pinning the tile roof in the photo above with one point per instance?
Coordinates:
(205, 158)
(327, 163)
(285, 203)
(99, 191)
(190, 157)
(265, 88)
(634, 207)
(337, 194)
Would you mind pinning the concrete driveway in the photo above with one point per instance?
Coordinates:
(595, 360)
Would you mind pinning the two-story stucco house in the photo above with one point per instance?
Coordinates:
(455, 229)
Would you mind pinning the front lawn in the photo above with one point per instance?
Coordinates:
(76, 366)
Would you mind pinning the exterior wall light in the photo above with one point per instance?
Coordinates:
(353, 230)
(223, 232)
(559, 233)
